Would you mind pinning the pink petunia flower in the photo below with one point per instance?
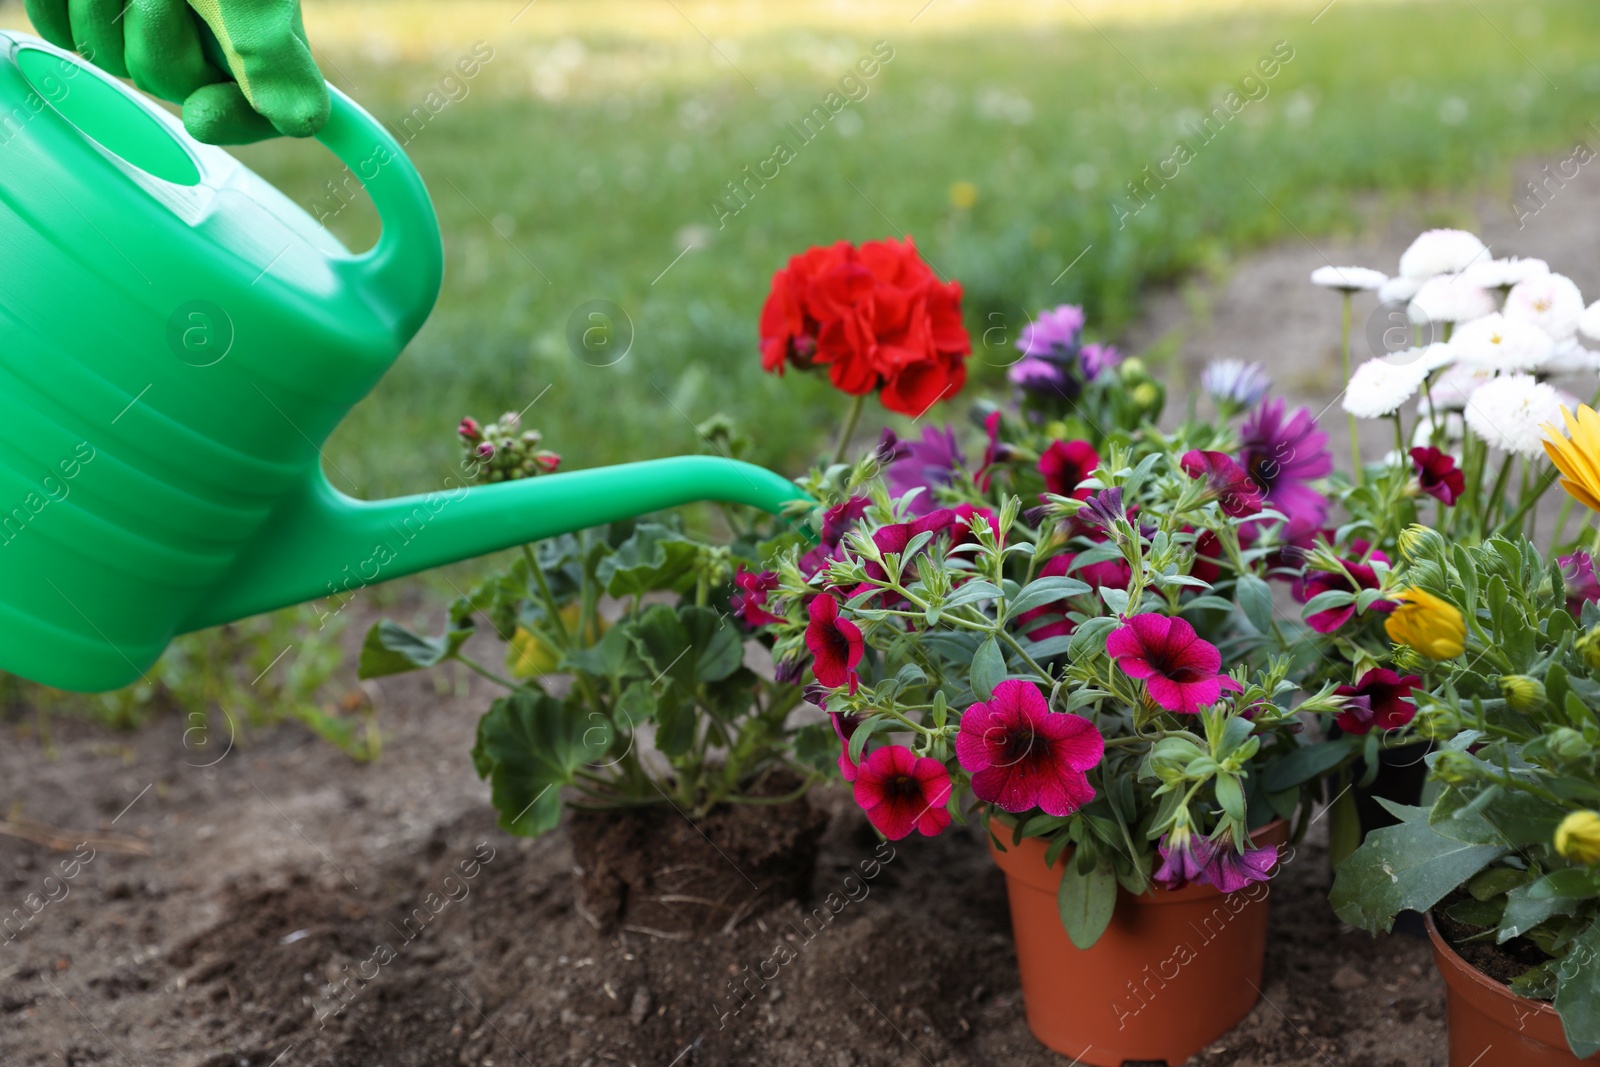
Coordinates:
(1021, 755)
(1354, 578)
(750, 602)
(1438, 475)
(901, 791)
(844, 726)
(1582, 580)
(834, 642)
(1177, 666)
(1231, 871)
(1065, 464)
(1228, 482)
(1380, 699)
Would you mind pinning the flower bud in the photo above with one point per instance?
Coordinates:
(1132, 370)
(1568, 745)
(1432, 626)
(484, 451)
(1589, 647)
(1418, 541)
(469, 429)
(1408, 660)
(1454, 768)
(1147, 395)
(1438, 722)
(511, 421)
(1522, 693)
(1578, 837)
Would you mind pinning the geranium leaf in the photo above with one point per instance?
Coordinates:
(1086, 902)
(655, 557)
(392, 649)
(529, 745)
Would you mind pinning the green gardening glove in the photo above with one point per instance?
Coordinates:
(242, 69)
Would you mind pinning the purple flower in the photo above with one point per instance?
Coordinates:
(1103, 509)
(1036, 375)
(933, 461)
(1231, 871)
(890, 448)
(1583, 582)
(1097, 358)
(1053, 333)
(1235, 385)
(1283, 453)
(1184, 856)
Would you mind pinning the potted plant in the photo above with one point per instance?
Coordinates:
(1073, 641)
(1503, 857)
(626, 699)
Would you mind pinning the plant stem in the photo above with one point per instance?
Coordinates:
(473, 665)
(849, 427)
(1344, 355)
(1496, 501)
(547, 596)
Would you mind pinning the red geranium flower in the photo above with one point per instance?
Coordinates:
(1352, 579)
(877, 317)
(1381, 698)
(750, 602)
(1178, 667)
(1233, 488)
(1022, 755)
(901, 791)
(834, 642)
(1438, 474)
(1065, 464)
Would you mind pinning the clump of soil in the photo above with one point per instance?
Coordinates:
(653, 871)
(1504, 963)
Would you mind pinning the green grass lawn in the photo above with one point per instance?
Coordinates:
(588, 153)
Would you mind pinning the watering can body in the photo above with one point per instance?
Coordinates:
(177, 341)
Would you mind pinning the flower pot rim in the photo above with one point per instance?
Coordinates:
(1447, 952)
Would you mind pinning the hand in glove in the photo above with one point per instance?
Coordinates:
(242, 69)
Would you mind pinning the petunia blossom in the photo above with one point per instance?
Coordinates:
(1228, 482)
(1021, 755)
(1231, 871)
(750, 602)
(1582, 580)
(1178, 667)
(901, 791)
(1438, 474)
(1184, 855)
(844, 727)
(835, 644)
(1066, 463)
(1352, 578)
(1381, 699)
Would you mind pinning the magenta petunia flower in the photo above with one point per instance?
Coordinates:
(901, 791)
(1231, 871)
(836, 522)
(835, 644)
(995, 452)
(1177, 666)
(750, 602)
(1354, 578)
(1184, 855)
(1229, 483)
(1582, 580)
(1021, 755)
(1066, 463)
(1438, 474)
(1380, 699)
(1283, 453)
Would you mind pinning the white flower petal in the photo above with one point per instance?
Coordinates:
(1442, 252)
(1348, 279)
(1508, 413)
(1551, 302)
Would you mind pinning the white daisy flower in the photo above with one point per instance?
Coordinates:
(1348, 279)
(1503, 273)
(1447, 298)
(1378, 387)
(1551, 302)
(1589, 321)
(1452, 429)
(1441, 252)
(1498, 343)
(1456, 384)
(1398, 289)
(1570, 357)
(1508, 413)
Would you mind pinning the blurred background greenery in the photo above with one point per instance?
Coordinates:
(586, 155)
(583, 162)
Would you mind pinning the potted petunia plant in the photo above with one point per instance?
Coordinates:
(1074, 642)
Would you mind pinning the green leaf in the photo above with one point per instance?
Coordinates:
(970, 593)
(1043, 591)
(688, 645)
(529, 745)
(1230, 795)
(655, 557)
(675, 721)
(1116, 599)
(988, 668)
(1578, 992)
(1086, 902)
(392, 649)
(1210, 603)
(1255, 600)
(1524, 911)
(1402, 867)
(1305, 763)
(613, 656)
(1568, 882)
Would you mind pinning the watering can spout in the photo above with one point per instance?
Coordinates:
(324, 544)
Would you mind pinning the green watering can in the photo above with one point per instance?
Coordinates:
(177, 340)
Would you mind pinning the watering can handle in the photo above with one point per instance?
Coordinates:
(401, 274)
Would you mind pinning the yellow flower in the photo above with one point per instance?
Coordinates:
(1577, 458)
(963, 195)
(1578, 837)
(1424, 622)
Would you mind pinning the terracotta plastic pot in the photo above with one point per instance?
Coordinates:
(1490, 1026)
(1174, 971)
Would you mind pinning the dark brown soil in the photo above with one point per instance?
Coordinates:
(654, 872)
(1504, 963)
